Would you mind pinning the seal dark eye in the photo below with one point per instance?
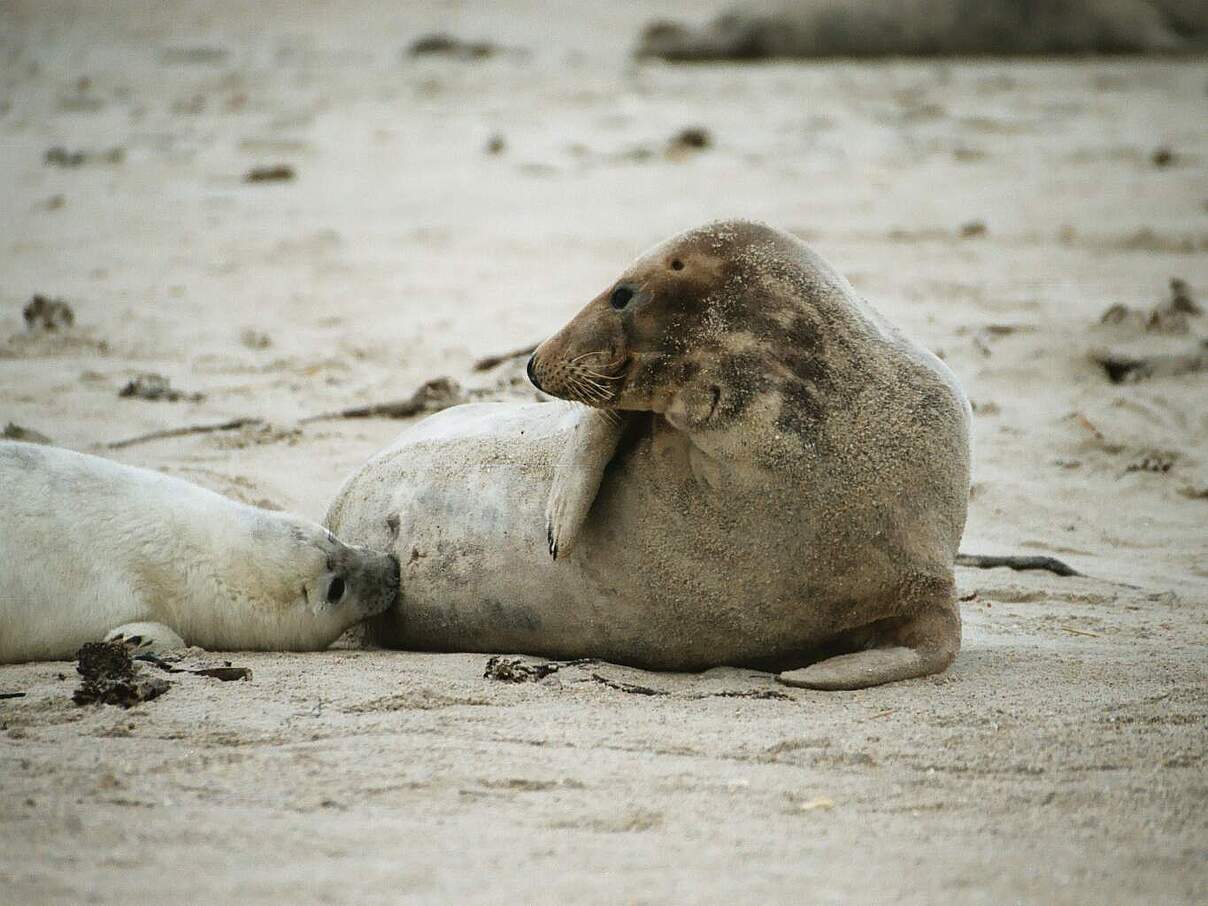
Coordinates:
(620, 297)
(676, 264)
(335, 590)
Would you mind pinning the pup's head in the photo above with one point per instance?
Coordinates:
(310, 585)
(697, 328)
(355, 581)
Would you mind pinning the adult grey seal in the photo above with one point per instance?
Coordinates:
(765, 473)
(90, 549)
(873, 28)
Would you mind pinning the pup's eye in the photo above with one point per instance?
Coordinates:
(620, 297)
(335, 590)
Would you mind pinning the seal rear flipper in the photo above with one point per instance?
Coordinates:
(920, 646)
(592, 441)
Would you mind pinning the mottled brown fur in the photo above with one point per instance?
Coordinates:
(768, 469)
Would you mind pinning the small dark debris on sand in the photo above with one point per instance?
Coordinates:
(486, 363)
(1049, 564)
(763, 694)
(628, 688)
(43, 313)
(4, 695)
(514, 670)
(445, 45)
(1169, 316)
(156, 388)
(1157, 461)
(200, 55)
(496, 144)
(58, 156)
(13, 431)
(1122, 368)
(226, 672)
(274, 173)
(689, 140)
(974, 229)
(1173, 316)
(255, 339)
(1162, 157)
(61, 157)
(111, 677)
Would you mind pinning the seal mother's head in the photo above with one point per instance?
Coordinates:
(702, 326)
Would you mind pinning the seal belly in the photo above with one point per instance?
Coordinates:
(460, 500)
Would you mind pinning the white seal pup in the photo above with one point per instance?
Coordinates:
(770, 474)
(90, 548)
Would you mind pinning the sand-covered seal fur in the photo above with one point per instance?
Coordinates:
(766, 473)
(92, 549)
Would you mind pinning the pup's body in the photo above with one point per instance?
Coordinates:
(89, 547)
(778, 474)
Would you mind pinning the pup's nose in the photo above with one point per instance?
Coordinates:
(529, 371)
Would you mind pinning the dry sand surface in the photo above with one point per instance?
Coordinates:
(1060, 760)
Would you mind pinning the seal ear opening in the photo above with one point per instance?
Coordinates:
(335, 590)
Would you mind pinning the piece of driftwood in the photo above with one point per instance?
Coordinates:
(631, 688)
(226, 674)
(486, 363)
(984, 561)
(433, 396)
(231, 425)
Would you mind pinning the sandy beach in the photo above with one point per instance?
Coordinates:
(441, 209)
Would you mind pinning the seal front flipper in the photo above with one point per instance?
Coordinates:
(591, 443)
(146, 638)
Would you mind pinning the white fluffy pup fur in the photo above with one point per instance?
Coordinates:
(90, 548)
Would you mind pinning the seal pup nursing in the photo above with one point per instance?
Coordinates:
(768, 473)
(90, 548)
